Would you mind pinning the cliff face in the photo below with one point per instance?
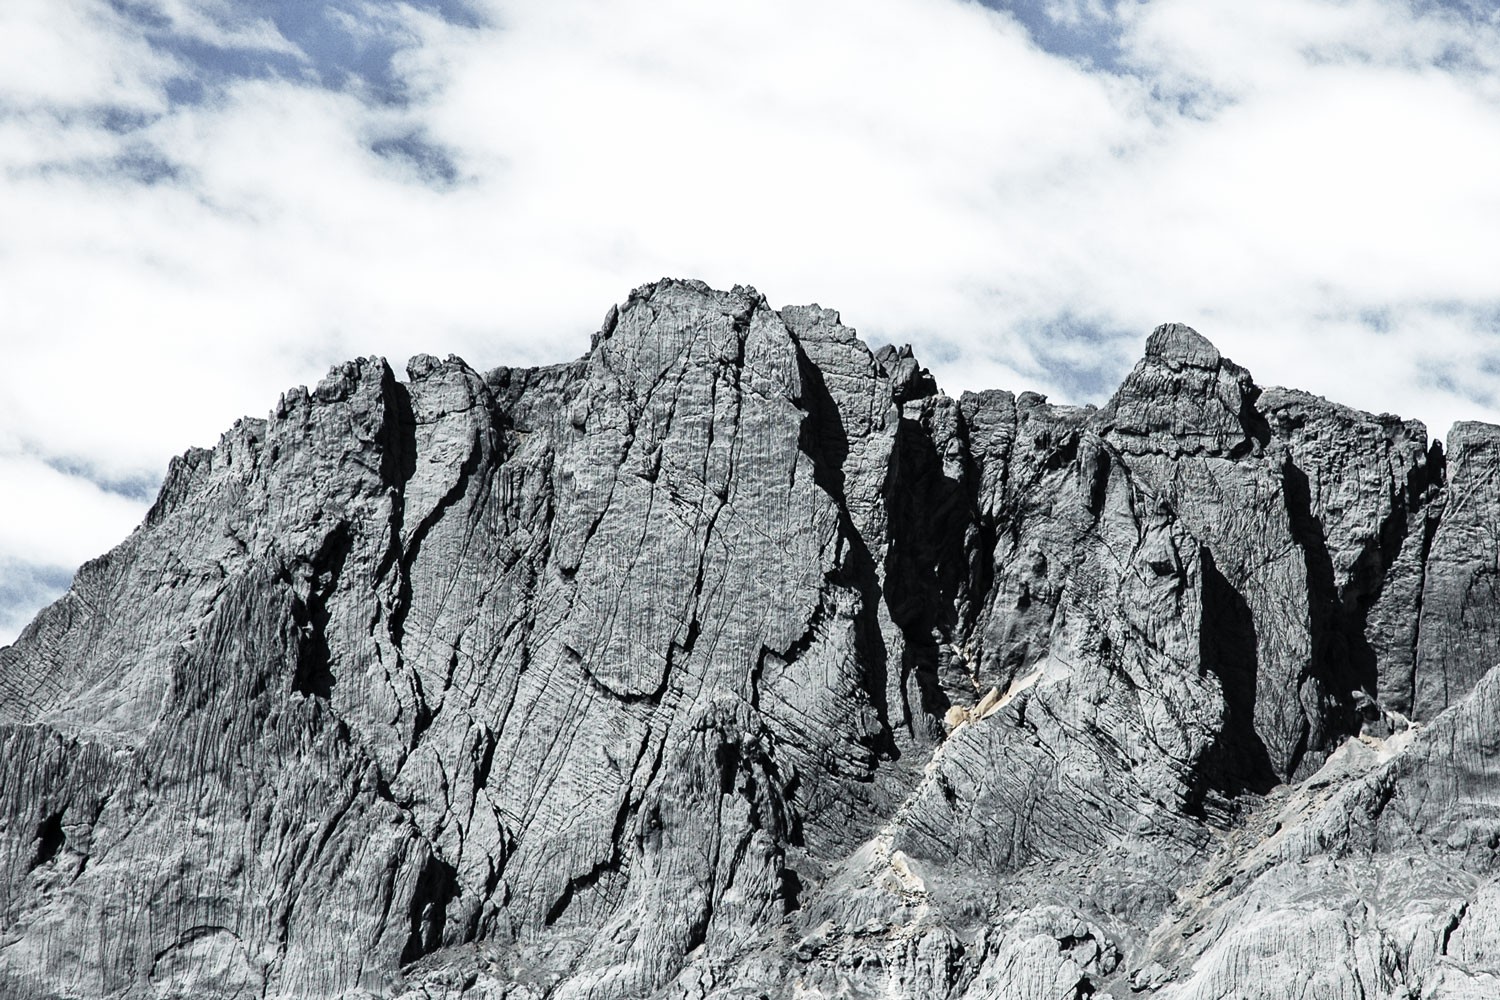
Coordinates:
(734, 660)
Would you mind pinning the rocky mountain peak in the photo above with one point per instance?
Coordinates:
(734, 659)
(1179, 344)
(1183, 396)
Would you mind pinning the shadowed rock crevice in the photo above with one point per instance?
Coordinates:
(398, 462)
(398, 453)
(1256, 428)
(1344, 668)
(49, 839)
(1329, 675)
(595, 878)
(1238, 761)
(824, 439)
(926, 568)
(314, 672)
(436, 888)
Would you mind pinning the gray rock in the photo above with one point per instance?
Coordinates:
(1458, 631)
(736, 660)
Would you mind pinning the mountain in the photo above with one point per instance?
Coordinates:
(735, 660)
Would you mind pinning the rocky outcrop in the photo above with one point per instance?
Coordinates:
(737, 660)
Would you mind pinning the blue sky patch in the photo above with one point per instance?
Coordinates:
(341, 45)
(24, 587)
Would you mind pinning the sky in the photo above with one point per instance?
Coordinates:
(205, 202)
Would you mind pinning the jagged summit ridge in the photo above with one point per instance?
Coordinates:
(734, 659)
(1181, 344)
(1184, 397)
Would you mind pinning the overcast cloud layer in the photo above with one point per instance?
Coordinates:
(205, 201)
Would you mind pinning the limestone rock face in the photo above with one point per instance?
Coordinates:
(735, 660)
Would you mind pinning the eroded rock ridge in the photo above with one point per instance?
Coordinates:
(735, 660)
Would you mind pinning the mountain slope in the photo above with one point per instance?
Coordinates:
(736, 660)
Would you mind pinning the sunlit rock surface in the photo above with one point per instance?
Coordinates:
(735, 660)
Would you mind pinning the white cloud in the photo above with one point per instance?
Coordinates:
(1245, 49)
(78, 53)
(23, 589)
(36, 494)
(50, 522)
(219, 23)
(919, 164)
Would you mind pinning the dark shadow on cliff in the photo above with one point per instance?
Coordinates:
(1341, 655)
(427, 913)
(926, 566)
(823, 439)
(1238, 761)
(314, 672)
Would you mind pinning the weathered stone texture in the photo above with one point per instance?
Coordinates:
(736, 660)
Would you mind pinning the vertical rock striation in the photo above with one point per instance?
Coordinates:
(736, 660)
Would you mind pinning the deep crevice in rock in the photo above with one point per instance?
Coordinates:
(823, 439)
(436, 889)
(1328, 663)
(1238, 761)
(50, 839)
(926, 564)
(314, 671)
